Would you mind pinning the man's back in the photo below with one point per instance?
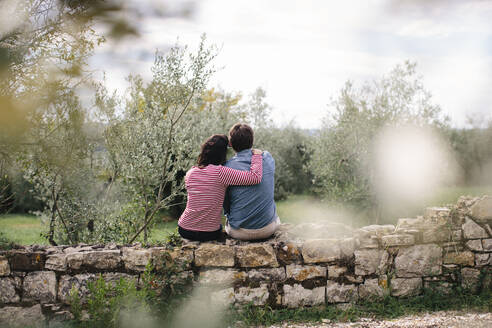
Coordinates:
(251, 207)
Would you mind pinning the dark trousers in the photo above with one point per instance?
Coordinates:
(201, 235)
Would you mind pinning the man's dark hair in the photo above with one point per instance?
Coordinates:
(242, 137)
(214, 150)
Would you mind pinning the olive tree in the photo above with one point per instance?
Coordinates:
(287, 144)
(342, 154)
(43, 60)
(152, 139)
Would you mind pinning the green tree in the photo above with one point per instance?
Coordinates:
(472, 149)
(289, 147)
(152, 140)
(287, 144)
(342, 152)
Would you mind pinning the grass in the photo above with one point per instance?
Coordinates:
(450, 195)
(162, 229)
(22, 229)
(25, 229)
(388, 308)
(303, 208)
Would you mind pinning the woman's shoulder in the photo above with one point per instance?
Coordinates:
(204, 170)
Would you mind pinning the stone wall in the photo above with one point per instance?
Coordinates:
(304, 265)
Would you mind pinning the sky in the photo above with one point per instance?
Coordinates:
(302, 52)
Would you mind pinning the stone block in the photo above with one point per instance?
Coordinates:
(289, 253)
(178, 259)
(212, 255)
(460, 258)
(438, 234)
(298, 296)
(221, 277)
(489, 229)
(305, 272)
(39, 286)
(472, 230)
(75, 260)
(14, 316)
(256, 255)
(483, 259)
(340, 293)
(255, 296)
(136, 259)
(452, 246)
(450, 268)
(441, 287)
(397, 240)
(367, 242)
(4, 266)
(474, 245)
(354, 279)
(384, 283)
(27, 261)
(182, 279)
(437, 215)
(347, 247)
(335, 271)
(372, 289)
(405, 287)
(94, 260)
(321, 250)
(59, 319)
(419, 261)
(367, 261)
(487, 245)
(470, 279)
(385, 264)
(221, 299)
(482, 209)
(8, 292)
(457, 235)
(113, 278)
(79, 282)
(265, 274)
(56, 262)
(410, 223)
(376, 230)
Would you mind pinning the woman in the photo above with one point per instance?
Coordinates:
(206, 184)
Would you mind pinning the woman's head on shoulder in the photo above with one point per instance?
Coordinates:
(213, 151)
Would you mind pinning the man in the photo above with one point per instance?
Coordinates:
(250, 210)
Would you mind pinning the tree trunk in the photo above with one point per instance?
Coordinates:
(51, 232)
(146, 217)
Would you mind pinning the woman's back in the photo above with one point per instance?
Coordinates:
(205, 197)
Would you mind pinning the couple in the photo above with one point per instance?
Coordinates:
(243, 186)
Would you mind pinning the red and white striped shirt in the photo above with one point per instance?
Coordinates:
(206, 189)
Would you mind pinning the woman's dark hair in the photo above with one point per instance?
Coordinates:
(214, 150)
(242, 137)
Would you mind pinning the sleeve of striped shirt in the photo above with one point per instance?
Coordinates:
(231, 177)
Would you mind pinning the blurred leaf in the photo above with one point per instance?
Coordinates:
(121, 28)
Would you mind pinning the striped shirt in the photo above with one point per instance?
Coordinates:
(206, 189)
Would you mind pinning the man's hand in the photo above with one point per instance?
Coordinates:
(257, 152)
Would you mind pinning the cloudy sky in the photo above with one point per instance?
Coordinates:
(302, 52)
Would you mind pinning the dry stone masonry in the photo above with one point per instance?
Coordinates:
(303, 265)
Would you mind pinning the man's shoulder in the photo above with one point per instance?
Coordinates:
(234, 163)
(268, 158)
(266, 154)
(238, 162)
